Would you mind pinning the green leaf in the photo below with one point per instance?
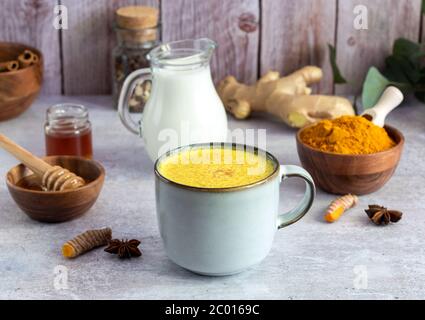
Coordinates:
(420, 95)
(356, 105)
(405, 47)
(423, 7)
(409, 50)
(393, 71)
(400, 69)
(404, 69)
(373, 87)
(419, 89)
(338, 78)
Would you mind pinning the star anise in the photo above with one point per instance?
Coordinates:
(124, 248)
(381, 215)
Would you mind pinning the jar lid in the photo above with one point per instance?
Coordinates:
(136, 17)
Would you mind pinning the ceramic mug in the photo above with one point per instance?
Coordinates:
(222, 231)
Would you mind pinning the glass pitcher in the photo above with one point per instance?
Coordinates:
(183, 107)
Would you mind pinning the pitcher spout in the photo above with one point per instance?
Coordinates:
(183, 53)
(209, 46)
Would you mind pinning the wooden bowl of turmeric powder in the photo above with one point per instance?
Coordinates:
(349, 154)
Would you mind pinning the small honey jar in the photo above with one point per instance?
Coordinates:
(68, 131)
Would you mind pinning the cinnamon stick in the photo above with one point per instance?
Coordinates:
(35, 58)
(27, 58)
(9, 66)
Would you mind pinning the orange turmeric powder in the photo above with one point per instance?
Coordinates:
(347, 135)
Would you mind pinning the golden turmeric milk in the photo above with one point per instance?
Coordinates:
(216, 167)
(347, 135)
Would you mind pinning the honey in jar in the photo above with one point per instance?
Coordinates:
(68, 131)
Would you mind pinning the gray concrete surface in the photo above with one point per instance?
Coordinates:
(351, 259)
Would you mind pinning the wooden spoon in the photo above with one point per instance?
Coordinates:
(389, 100)
(53, 178)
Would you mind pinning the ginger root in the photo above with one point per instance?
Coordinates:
(86, 241)
(339, 206)
(285, 97)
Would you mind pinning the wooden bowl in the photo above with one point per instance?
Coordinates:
(19, 88)
(357, 174)
(56, 206)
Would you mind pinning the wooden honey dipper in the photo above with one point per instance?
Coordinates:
(53, 178)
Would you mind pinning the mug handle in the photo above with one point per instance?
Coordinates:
(292, 216)
(123, 102)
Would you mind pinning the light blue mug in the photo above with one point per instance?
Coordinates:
(222, 231)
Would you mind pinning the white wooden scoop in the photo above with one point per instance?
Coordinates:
(389, 100)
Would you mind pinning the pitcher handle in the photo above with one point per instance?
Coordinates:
(123, 102)
(292, 216)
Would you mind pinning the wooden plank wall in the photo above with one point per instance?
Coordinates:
(253, 36)
(30, 22)
(359, 49)
(232, 24)
(296, 33)
(88, 42)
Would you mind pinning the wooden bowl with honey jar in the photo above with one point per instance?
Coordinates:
(359, 174)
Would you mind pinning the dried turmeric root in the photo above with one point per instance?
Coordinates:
(339, 206)
(86, 241)
(285, 97)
